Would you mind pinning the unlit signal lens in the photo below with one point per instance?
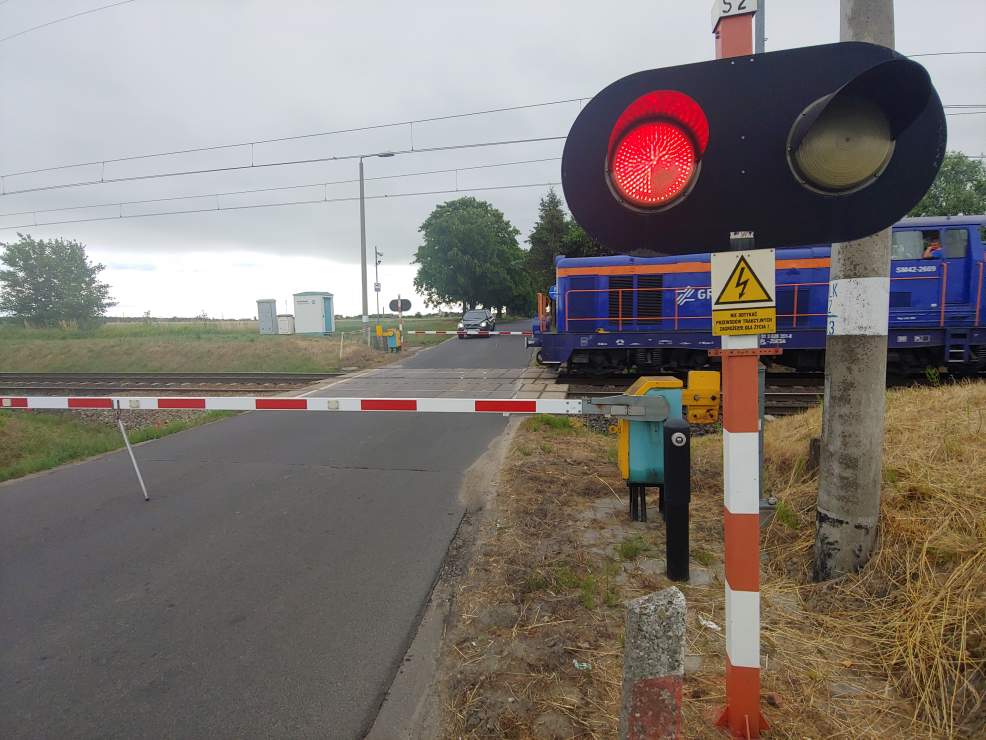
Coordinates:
(845, 148)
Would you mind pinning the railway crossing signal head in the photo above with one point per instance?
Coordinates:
(812, 145)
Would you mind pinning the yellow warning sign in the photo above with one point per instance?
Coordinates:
(743, 288)
(733, 321)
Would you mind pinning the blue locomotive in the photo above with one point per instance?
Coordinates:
(615, 314)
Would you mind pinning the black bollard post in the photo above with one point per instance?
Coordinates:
(677, 495)
(638, 502)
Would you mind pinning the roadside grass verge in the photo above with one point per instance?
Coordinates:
(32, 441)
(219, 346)
(534, 646)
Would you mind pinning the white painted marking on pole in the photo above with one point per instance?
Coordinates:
(859, 307)
(743, 628)
(741, 341)
(741, 472)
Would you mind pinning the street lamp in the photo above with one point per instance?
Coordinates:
(362, 240)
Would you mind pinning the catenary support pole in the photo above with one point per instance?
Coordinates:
(376, 278)
(362, 252)
(855, 366)
(760, 25)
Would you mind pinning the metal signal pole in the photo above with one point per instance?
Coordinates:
(855, 366)
(362, 241)
(377, 254)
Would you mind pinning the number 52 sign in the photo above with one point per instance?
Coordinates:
(723, 8)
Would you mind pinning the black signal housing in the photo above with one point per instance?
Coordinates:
(805, 146)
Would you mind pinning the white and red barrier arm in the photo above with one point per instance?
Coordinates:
(280, 403)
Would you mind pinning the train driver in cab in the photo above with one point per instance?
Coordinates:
(933, 248)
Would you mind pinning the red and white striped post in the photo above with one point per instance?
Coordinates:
(741, 527)
(732, 27)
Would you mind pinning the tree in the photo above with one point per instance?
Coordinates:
(470, 256)
(960, 188)
(546, 240)
(555, 234)
(578, 243)
(47, 282)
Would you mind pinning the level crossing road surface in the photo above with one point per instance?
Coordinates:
(269, 589)
(490, 352)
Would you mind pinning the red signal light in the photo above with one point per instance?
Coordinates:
(655, 148)
(653, 163)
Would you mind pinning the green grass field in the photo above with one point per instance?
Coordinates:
(194, 346)
(31, 441)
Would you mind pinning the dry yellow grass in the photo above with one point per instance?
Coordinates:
(916, 615)
(898, 650)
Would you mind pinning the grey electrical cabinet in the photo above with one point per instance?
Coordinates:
(267, 315)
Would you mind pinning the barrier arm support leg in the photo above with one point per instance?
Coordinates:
(130, 451)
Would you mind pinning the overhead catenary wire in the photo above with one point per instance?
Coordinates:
(355, 129)
(64, 18)
(296, 137)
(220, 207)
(944, 53)
(277, 188)
(254, 165)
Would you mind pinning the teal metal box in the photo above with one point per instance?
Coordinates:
(646, 441)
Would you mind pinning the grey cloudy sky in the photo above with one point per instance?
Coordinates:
(161, 75)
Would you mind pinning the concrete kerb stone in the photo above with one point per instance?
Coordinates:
(653, 666)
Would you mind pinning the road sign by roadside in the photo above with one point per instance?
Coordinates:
(376, 287)
(743, 293)
(402, 304)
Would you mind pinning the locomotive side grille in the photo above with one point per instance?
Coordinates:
(649, 301)
(615, 282)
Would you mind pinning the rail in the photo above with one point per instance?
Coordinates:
(161, 379)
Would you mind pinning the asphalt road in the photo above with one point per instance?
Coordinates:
(491, 352)
(269, 589)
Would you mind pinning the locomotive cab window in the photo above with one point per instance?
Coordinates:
(915, 244)
(956, 243)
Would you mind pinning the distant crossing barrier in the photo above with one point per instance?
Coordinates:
(477, 333)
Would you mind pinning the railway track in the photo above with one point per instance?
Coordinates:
(156, 382)
(784, 395)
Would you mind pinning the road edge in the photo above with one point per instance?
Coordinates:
(412, 707)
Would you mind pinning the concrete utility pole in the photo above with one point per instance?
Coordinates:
(855, 366)
(760, 27)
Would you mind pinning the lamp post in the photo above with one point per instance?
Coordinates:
(362, 241)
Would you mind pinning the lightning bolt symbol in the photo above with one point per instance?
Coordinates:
(742, 282)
